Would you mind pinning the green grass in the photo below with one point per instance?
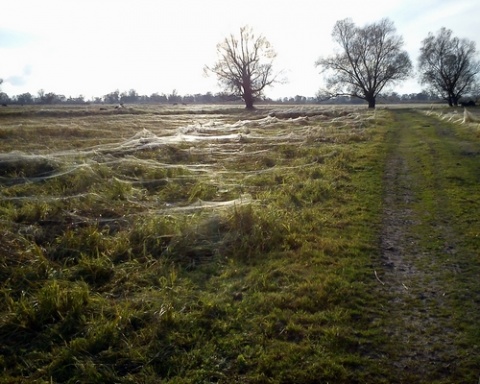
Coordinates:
(247, 260)
(440, 311)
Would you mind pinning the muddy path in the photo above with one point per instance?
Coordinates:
(429, 265)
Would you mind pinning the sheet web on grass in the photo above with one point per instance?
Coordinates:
(467, 116)
(199, 166)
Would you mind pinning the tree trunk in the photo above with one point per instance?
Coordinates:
(371, 102)
(249, 104)
(248, 94)
(248, 98)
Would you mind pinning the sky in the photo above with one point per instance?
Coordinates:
(94, 47)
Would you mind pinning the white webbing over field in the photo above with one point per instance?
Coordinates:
(204, 149)
(454, 116)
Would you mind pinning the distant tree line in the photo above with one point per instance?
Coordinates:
(117, 97)
(132, 97)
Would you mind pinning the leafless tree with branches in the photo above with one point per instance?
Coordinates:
(369, 58)
(245, 65)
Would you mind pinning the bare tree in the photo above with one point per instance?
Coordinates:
(244, 65)
(447, 64)
(369, 58)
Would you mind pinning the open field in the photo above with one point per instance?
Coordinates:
(185, 244)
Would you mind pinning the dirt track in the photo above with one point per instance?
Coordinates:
(422, 257)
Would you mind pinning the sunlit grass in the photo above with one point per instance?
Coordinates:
(135, 254)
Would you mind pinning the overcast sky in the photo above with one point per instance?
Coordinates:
(93, 47)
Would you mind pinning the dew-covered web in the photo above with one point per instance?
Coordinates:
(201, 165)
(467, 116)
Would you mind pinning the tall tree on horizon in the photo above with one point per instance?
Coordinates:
(369, 58)
(245, 65)
(447, 65)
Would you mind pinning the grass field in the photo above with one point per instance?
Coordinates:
(208, 244)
